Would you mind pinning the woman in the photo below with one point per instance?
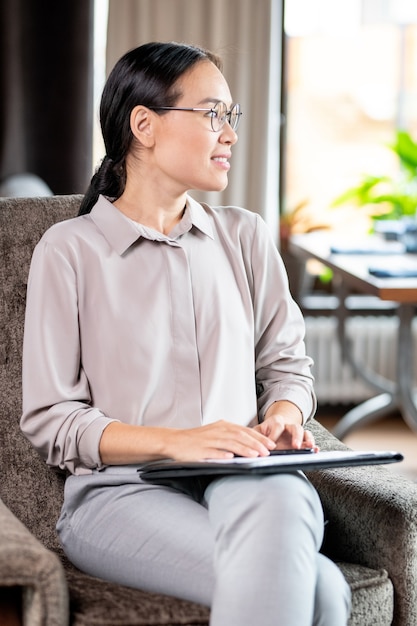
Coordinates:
(158, 327)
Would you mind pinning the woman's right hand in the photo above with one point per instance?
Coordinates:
(219, 440)
(123, 444)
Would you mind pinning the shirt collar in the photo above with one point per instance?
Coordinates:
(121, 233)
(196, 215)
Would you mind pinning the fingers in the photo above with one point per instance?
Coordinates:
(243, 441)
(271, 428)
(300, 438)
(223, 440)
(309, 442)
(297, 435)
(219, 440)
(287, 436)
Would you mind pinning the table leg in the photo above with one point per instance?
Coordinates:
(405, 365)
(395, 395)
(365, 413)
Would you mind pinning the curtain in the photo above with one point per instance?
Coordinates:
(46, 93)
(247, 35)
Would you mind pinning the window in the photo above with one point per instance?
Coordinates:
(351, 81)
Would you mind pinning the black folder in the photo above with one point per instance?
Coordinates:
(159, 471)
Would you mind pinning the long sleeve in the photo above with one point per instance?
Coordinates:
(283, 371)
(57, 415)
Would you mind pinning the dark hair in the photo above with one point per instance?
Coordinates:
(145, 75)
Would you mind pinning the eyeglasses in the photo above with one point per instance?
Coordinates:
(219, 114)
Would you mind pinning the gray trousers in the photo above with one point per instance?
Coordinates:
(247, 546)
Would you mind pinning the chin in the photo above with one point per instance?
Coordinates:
(220, 186)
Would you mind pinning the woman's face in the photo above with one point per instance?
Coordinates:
(187, 153)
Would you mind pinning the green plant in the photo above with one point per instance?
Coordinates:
(390, 197)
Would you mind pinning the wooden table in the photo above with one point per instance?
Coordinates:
(350, 266)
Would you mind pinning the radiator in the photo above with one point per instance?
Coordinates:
(374, 343)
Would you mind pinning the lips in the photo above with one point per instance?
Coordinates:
(221, 158)
(221, 162)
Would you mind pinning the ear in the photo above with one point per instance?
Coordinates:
(142, 125)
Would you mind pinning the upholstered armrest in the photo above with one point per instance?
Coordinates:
(372, 520)
(26, 563)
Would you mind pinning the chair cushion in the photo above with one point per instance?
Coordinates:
(98, 603)
(94, 602)
(372, 595)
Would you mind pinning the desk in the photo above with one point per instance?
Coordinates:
(351, 273)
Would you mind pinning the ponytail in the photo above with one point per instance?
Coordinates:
(108, 180)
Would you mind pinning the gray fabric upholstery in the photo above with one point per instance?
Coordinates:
(25, 563)
(371, 511)
(372, 597)
(372, 516)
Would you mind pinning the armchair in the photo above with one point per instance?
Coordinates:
(371, 512)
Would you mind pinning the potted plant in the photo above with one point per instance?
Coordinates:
(389, 197)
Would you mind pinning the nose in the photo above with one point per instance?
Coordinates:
(228, 135)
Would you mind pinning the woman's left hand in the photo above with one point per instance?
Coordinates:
(286, 433)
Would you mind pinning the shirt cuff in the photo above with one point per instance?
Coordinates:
(89, 445)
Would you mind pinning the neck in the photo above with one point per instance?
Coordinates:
(152, 210)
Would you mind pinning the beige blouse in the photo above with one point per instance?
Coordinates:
(125, 323)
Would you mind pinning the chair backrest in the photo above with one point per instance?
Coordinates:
(27, 486)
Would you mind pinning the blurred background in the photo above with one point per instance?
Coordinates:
(350, 84)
